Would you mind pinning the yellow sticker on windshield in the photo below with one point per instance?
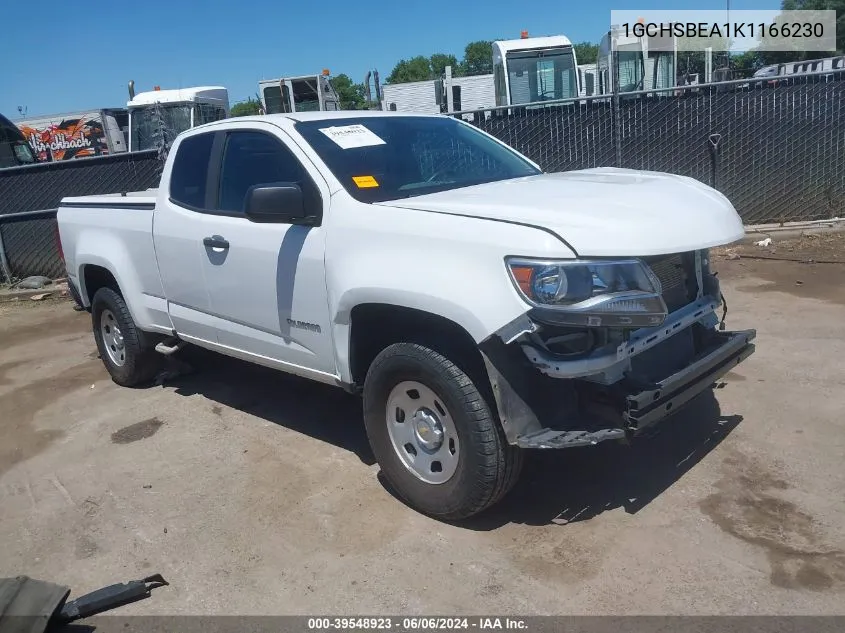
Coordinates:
(364, 182)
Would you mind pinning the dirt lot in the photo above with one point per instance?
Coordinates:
(252, 492)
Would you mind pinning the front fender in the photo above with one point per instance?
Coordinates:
(447, 265)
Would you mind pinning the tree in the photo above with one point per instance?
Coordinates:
(817, 5)
(692, 56)
(439, 61)
(586, 52)
(351, 95)
(744, 64)
(415, 69)
(246, 108)
(478, 58)
(762, 57)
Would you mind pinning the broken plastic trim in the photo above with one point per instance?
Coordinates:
(109, 598)
(551, 438)
(640, 341)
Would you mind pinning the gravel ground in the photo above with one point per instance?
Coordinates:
(255, 493)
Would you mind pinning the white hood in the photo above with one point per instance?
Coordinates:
(601, 212)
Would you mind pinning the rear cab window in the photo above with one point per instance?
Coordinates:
(189, 175)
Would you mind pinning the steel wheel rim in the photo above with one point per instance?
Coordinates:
(422, 432)
(112, 338)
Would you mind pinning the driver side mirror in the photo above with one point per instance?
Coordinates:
(279, 203)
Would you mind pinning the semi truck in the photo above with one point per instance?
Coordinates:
(525, 70)
(643, 63)
(481, 307)
(157, 116)
(534, 69)
(305, 93)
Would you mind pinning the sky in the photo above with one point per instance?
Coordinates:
(65, 57)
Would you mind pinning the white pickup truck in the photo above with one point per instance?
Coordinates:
(481, 306)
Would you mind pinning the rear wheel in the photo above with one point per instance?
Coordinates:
(437, 441)
(122, 347)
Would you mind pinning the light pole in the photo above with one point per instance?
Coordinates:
(728, 43)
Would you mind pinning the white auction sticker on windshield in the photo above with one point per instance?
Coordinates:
(352, 136)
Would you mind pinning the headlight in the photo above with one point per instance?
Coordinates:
(622, 293)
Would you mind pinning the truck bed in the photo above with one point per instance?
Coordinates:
(131, 198)
(116, 227)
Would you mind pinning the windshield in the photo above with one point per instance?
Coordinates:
(391, 157)
(541, 75)
(630, 69)
(274, 101)
(145, 129)
(305, 95)
(664, 70)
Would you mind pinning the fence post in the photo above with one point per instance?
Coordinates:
(615, 109)
(4, 263)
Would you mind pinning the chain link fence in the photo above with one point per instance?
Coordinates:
(776, 149)
(29, 197)
(572, 135)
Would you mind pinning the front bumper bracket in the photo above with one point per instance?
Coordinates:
(651, 405)
(529, 424)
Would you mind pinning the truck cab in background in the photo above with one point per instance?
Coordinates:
(644, 63)
(307, 93)
(174, 111)
(533, 69)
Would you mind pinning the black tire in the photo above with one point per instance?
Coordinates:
(487, 466)
(141, 362)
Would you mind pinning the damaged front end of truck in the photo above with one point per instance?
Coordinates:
(608, 348)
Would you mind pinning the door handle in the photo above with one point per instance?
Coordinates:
(215, 242)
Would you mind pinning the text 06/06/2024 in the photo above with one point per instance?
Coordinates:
(416, 623)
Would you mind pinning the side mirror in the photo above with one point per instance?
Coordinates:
(279, 203)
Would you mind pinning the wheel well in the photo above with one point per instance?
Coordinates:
(96, 277)
(375, 326)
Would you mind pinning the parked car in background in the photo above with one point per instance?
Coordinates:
(14, 150)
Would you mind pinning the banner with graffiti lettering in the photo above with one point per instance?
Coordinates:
(66, 137)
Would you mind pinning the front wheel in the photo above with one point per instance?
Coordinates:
(437, 441)
(121, 344)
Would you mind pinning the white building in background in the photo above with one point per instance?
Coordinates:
(427, 97)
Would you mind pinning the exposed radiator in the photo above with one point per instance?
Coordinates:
(674, 279)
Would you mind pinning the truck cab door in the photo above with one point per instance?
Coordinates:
(179, 228)
(267, 281)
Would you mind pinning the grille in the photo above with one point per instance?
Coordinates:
(671, 272)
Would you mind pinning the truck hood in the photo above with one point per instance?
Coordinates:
(601, 212)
